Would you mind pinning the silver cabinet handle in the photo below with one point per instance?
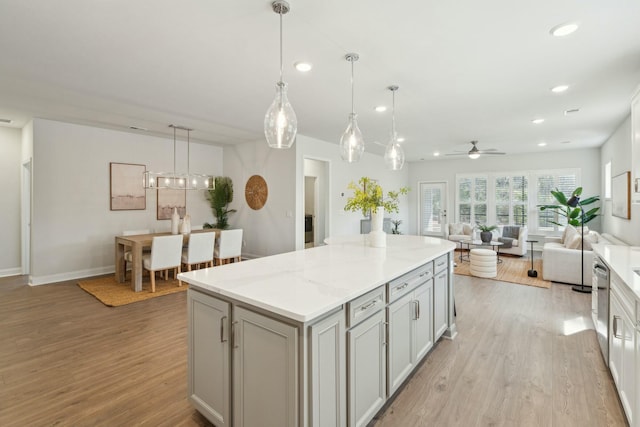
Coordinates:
(416, 314)
(233, 334)
(404, 285)
(442, 276)
(385, 325)
(222, 329)
(615, 327)
(418, 304)
(368, 306)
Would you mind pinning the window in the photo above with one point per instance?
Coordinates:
(512, 198)
(607, 181)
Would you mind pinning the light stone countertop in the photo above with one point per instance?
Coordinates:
(622, 260)
(306, 284)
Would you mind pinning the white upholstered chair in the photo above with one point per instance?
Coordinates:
(166, 253)
(128, 256)
(199, 250)
(229, 247)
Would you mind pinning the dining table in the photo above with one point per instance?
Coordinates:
(136, 244)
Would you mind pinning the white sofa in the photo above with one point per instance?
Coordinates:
(463, 231)
(561, 256)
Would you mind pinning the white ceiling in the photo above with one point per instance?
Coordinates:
(466, 69)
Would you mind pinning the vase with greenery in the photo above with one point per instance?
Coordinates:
(219, 198)
(486, 232)
(368, 196)
(575, 216)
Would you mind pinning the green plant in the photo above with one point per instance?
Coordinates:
(396, 223)
(219, 198)
(369, 195)
(573, 214)
(485, 228)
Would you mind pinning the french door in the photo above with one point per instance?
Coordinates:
(432, 217)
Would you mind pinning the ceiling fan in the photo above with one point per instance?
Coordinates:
(474, 153)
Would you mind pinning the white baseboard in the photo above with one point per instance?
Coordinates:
(71, 275)
(16, 271)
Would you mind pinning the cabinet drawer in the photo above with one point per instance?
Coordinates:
(407, 282)
(364, 306)
(441, 263)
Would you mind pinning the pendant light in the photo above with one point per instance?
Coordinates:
(394, 154)
(352, 142)
(280, 122)
(176, 181)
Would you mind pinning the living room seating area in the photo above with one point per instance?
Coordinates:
(514, 238)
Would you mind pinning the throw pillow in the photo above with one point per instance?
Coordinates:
(512, 231)
(589, 240)
(573, 242)
(456, 229)
(569, 232)
(467, 229)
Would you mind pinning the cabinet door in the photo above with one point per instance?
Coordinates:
(628, 379)
(265, 371)
(208, 359)
(401, 316)
(616, 335)
(328, 388)
(423, 330)
(367, 369)
(440, 303)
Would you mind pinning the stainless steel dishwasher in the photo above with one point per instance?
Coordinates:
(601, 278)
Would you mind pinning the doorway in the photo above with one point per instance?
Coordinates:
(432, 217)
(25, 257)
(316, 202)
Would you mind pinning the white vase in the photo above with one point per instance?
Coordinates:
(186, 224)
(175, 221)
(377, 237)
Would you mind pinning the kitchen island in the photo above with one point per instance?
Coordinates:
(322, 336)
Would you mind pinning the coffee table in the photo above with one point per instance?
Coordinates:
(479, 243)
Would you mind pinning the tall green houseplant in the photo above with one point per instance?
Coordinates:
(573, 215)
(219, 198)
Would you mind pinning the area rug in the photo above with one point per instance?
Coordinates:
(511, 269)
(113, 294)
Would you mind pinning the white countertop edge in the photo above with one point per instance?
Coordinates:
(622, 260)
(192, 278)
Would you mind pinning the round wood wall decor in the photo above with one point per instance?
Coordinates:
(256, 192)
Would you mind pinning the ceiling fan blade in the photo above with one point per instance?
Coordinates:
(490, 152)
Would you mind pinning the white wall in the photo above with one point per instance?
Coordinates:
(10, 178)
(617, 149)
(270, 230)
(73, 227)
(341, 173)
(319, 175)
(587, 160)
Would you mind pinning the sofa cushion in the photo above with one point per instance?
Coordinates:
(458, 237)
(573, 242)
(456, 228)
(467, 229)
(511, 231)
(508, 242)
(570, 233)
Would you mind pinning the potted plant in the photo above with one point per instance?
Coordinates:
(486, 232)
(368, 197)
(219, 198)
(572, 214)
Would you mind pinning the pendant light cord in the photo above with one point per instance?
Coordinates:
(174, 151)
(353, 110)
(188, 151)
(280, 13)
(393, 115)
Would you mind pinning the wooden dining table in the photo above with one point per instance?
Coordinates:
(136, 244)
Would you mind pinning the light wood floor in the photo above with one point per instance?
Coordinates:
(524, 356)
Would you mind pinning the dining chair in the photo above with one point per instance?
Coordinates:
(199, 250)
(128, 255)
(166, 253)
(229, 247)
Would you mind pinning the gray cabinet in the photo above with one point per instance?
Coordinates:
(410, 333)
(328, 372)
(367, 368)
(208, 381)
(622, 350)
(265, 371)
(440, 303)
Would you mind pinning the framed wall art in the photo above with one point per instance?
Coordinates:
(621, 195)
(126, 187)
(169, 199)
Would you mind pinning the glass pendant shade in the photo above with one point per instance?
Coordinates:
(394, 155)
(280, 122)
(352, 142)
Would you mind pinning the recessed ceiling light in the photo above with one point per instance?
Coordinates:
(7, 121)
(400, 139)
(559, 88)
(303, 67)
(563, 29)
(436, 153)
(541, 144)
(571, 111)
(381, 108)
(537, 121)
